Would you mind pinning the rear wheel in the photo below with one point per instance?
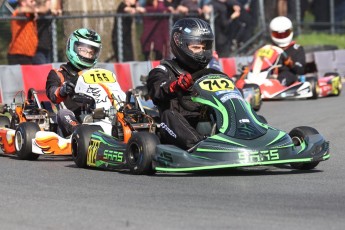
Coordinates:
(298, 135)
(4, 122)
(338, 87)
(140, 151)
(25, 132)
(338, 84)
(80, 143)
(262, 119)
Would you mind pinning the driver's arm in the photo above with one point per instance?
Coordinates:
(158, 85)
(298, 58)
(53, 85)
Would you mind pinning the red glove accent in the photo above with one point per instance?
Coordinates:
(184, 81)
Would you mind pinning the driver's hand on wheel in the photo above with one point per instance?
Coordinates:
(288, 61)
(184, 81)
(66, 89)
(286, 58)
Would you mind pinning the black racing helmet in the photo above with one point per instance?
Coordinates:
(190, 31)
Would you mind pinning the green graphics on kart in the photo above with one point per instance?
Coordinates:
(237, 137)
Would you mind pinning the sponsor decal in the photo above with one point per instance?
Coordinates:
(92, 152)
(113, 155)
(166, 128)
(187, 30)
(259, 156)
(244, 121)
(70, 121)
(231, 95)
(162, 67)
(95, 92)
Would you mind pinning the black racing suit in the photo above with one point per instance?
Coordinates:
(66, 118)
(177, 122)
(289, 75)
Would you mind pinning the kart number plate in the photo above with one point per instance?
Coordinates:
(268, 53)
(99, 76)
(217, 84)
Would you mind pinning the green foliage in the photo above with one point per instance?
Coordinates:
(321, 39)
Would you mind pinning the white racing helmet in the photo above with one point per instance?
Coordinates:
(281, 31)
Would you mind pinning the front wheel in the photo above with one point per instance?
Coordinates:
(25, 132)
(298, 135)
(141, 148)
(314, 87)
(80, 143)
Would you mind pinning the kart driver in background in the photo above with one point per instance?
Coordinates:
(293, 56)
(82, 51)
(191, 43)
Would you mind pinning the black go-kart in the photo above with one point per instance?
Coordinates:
(237, 137)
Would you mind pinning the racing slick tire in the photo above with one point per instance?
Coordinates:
(297, 135)
(4, 122)
(314, 87)
(25, 132)
(80, 143)
(140, 150)
(262, 119)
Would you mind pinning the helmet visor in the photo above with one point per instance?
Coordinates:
(281, 35)
(86, 51)
(205, 43)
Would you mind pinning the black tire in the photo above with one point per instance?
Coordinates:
(331, 73)
(4, 122)
(139, 153)
(262, 119)
(297, 135)
(80, 143)
(25, 132)
(314, 87)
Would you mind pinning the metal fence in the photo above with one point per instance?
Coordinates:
(103, 22)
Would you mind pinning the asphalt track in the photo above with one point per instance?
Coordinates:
(52, 193)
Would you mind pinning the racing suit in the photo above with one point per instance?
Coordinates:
(69, 110)
(179, 114)
(288, 73)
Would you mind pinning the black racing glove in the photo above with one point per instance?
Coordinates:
(66, 89)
